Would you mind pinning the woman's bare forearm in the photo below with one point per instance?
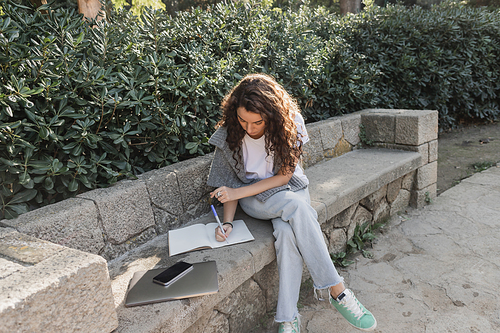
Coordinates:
(230, 210)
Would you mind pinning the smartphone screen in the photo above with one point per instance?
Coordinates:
(173, 273)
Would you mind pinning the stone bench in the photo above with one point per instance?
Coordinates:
(127, 223)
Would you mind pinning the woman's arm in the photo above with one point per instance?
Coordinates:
(229, 211)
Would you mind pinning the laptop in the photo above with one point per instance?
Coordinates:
(202, 280)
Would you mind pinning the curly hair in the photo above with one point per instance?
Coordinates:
(260, 93)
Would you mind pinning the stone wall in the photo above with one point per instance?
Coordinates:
(395, 129)
(112, 221)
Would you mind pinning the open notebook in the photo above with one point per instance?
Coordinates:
(202, 236)
(202, 280)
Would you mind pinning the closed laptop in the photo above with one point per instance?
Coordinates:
(202, 280)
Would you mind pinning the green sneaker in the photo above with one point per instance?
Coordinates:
(290, 326)
(353, 311)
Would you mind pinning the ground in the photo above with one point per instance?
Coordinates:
(461, 152)
(465, 150)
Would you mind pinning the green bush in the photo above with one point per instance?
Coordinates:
(445, 58)
(85, 104)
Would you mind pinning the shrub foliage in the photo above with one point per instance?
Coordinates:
(85, 104)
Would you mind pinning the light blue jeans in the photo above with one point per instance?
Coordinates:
(298, 239)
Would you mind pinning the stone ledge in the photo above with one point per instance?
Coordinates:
(57, 288)
(333, 189)
(112, 221)
(237, 264)
(340, 182)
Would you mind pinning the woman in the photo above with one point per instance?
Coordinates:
(258, 145)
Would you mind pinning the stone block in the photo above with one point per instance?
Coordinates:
(313, 150)
(426, 175)
(345, 180)
(331, 132)
(379, 126)
(73, 223)
(408, 180)
(343, 218)
(337, 240)
(5, 230)
(420, 198)
(27, 249)
(192, 176)
(124, 208)
(381, 212)
(165, 221)
(166, 198)
(163, 190)
(212, 322)
(341, 148)
(414, 127)
(373, 199)
(433, 151)
(67, 291)
(401, 202)
(112, 251)
(350, 128)
(8, 267)
(268, 280)
(361, 216)
(244, 306)
(393, 190)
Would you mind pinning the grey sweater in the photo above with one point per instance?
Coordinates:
(224, 171)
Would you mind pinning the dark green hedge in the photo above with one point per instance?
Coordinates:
(82, 107)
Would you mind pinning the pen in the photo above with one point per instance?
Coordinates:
(218, 221)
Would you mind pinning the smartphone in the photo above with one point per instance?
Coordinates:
(173, 273)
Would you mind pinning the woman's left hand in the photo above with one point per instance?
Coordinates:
(224, 194)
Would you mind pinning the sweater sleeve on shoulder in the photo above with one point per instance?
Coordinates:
(221, 172)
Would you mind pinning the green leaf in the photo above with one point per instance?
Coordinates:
(23, 196)
(9, 162)
(191, 145)
(73, 186)
(48, 183)
(24, 178)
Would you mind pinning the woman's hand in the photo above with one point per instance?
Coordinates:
(218, 234)
(224, 194)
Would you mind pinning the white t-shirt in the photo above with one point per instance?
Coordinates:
(260, 166)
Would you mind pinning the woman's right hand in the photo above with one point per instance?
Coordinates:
(218, 234)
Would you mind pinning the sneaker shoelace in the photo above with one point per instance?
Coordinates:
(352, 305)
(288, 327)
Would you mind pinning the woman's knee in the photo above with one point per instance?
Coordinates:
(297, 208)
(283, 231)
